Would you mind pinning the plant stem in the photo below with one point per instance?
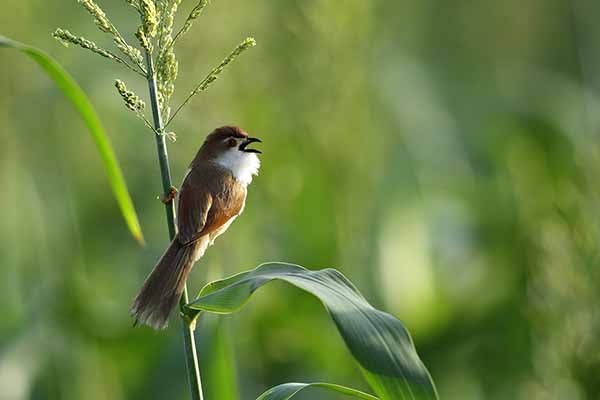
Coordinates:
(189, 343)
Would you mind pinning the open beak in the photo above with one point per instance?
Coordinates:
(246, 142)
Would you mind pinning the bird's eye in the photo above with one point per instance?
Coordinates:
(231, 142)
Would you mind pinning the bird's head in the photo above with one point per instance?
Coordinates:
(228, 146)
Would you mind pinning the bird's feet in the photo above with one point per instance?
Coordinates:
(170, 196)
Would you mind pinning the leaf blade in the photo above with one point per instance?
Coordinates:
(288, 390)
(379, 342)
(83, 106)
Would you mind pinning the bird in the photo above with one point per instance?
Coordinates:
(212, 195)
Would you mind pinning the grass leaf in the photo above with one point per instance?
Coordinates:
(379, 342)
(84, 107)
(288, 390)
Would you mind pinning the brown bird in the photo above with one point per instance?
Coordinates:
(212, 195)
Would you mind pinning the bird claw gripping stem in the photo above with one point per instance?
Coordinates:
(169, 196)
(189, 320)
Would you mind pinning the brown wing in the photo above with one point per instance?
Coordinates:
(194, 204)
(228, 202)
(208, 199)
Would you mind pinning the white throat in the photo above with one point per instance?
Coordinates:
(243, 166)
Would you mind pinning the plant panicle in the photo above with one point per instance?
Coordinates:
(167, 65)
(67, 38)
(134, 4)
(194, 14)
(135, 104)
(147, 30)
(132, 101)
(214, 73)
(103, 23)
(149, 17)
(100, 18)
(155, 31)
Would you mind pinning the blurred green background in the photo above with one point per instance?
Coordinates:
(443, 155)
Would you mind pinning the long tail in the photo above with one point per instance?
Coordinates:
(163, 286)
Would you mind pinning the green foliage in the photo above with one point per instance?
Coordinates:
(289, 390)
(84, 108)
(379, 342)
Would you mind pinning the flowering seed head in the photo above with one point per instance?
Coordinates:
(100, 18)
(67, 38)
(149, 17)
(132, 101)
(195, 13)
(214, 74)
(143, 39)
(134, 54)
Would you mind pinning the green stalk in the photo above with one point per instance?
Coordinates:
(187, 328)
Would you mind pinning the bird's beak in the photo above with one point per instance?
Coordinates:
(246, 142)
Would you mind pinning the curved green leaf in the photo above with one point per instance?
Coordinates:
(84, 107)
(289, 390)
(379, 342)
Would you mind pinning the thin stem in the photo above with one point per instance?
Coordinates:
(187, 329)
(187, 100)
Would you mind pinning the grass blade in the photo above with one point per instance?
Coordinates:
(288, 390)
(379, 342)
(84, 107)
